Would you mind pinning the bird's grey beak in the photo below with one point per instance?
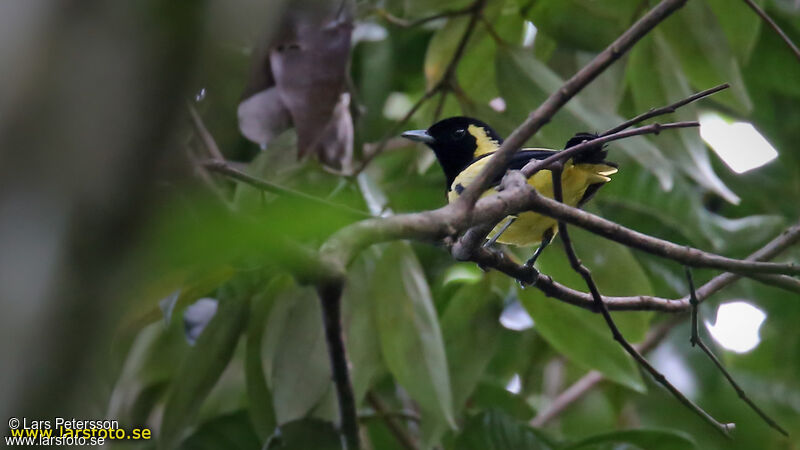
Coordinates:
(419, 136)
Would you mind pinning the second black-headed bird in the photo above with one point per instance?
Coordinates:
(463, 146)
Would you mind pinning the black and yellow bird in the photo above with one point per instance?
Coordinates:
(463, 146)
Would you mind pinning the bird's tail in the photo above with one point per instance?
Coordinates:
(594, 155)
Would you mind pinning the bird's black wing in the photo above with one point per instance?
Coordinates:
(521, 158)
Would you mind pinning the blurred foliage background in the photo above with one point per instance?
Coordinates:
(137, 286)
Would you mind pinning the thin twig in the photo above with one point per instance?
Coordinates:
(441, 85)
(766, 18)
(665, 109)
(536, 165)
(205, 135)
(396, 429)
(572, 394)
(440, 105)
(557, 99)
(330, 295)
(584, 272)
(224, 168)
(696, 341)
(659, 247)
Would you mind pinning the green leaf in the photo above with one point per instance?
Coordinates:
(583, 24)
(443, 46)
(607, 260)
(478, 51)
(259, 397)
(740, 25)
(525, 82)
(300, 368)
(231, 432)
(305, 434)
(490, 395)
(641, 439)
(495, 430)
(202, 367)
(363, 350)
(698, 41)
(655, 79)
(578, 334)
(422, 8)
(410, 337)
(471, 326)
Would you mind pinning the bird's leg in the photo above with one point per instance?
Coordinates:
(547, 237)
(496, 236)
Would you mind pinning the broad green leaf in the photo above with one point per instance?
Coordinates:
(409, 332)
(656, 80)
(201, 368)
(526, 82)
(578, 334)
(703, 52)
(305, 434)
(231, 432)
(477, 53)
(443, 46)
(606, 260)
(495, 430)
(476, 75)
(298, 383)
(643, 439)
(466, 273)
(422, 8)
(363, 350)
(470, 326)
(259, 397)
(490, 395)
(583, 24)
(740, 25)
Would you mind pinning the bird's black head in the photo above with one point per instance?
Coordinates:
(457, 141)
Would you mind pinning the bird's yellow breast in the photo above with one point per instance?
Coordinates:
(529, 227)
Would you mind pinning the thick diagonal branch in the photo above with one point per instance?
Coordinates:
(556, 100)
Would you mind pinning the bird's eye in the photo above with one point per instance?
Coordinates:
(458, 134)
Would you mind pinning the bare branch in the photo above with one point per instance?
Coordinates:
(665, 109)
(584, 272)
(330, 296)
(536, 165)
(659, 247)
(766, 18)
(572, 394)
(205, 135)
(696, 341)
(557, 99)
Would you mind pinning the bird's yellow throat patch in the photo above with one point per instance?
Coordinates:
(485, 144)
